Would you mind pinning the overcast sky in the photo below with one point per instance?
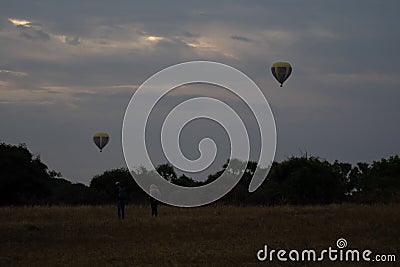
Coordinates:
(68, 69)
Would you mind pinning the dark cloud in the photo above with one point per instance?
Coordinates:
(241, 38)
(72, 40)
(24, 26)
(33, 34)
(190, 35)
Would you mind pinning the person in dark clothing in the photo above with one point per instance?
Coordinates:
(154, 194)
(153, 204)
(121, 200)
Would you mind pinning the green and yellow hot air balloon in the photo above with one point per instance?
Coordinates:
(101, 140)
(281, 71)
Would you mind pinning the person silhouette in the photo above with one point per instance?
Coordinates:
(153, 204)
(154, 192)
(121, 200)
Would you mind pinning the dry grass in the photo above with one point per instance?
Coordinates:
(213, 235)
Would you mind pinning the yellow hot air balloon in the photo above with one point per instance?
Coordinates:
(281, 71)
(101, 140)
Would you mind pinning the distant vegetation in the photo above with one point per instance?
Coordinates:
(304, 180)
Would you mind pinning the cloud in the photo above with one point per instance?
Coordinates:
(190, 35)
(33, 34)
(154, 38)
(71, 40)
(21, 23)
(13, 73)
(360, 79)
(30, 30)
(241, 38)
(86, 66)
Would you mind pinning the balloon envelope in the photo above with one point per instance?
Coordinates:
(281, 71)
(101, 140)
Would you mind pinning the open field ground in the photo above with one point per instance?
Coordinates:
(213, 235)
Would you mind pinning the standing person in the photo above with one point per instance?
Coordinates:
(121, 197)
(154, 192)
(153, 204)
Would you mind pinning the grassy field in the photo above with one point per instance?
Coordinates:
(212, 236)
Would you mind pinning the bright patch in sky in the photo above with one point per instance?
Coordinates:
(154, 38)
(18, 22)
(15, 73)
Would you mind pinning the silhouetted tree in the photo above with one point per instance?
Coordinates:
(380, 182)
(308, 180)
(105, 185)
(185, 181)
(167, 171)
(23, 177)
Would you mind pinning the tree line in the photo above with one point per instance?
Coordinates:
(301, 180)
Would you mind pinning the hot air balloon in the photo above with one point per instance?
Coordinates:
(281, 71)
(101, 140)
